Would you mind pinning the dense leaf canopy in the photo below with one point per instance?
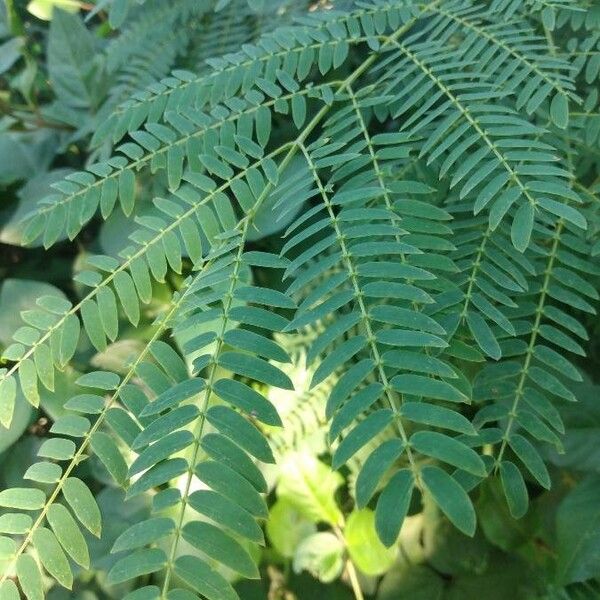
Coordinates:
(333, 264)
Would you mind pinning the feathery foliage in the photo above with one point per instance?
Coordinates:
(388, 206)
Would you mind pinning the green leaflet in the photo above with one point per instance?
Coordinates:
(437, 416)
(143, 533)
(226, 512)
(227, 452)
(339, 356)
(559, 107)
(68, 534)
(173, 396)
(205, 580)
(30, 577)
(244, 397)
(514, 489)
(530, 458)
(522, 226)
(220, 547)
(82, 503)
(138, 563)
(250, 366)
(165, 424)
(43, 472)
(449, 450)
(235, 427)
(159, 474)
(418, 385)
(52, 556)
(232, 485)
(107, 451)
(483, 335)
(360, 435)
(162, 449)
(451, 498)
(377, 463)
(22, 498)
(392, 506)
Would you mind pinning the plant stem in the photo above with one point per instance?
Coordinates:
(353, 576)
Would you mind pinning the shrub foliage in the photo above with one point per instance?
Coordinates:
(385, 210)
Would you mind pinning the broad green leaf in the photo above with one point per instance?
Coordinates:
(9, 590)
(310, 486)
(321, 554)
(287, 527)
(15, 413)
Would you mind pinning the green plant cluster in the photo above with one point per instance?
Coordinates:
(299, 299)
